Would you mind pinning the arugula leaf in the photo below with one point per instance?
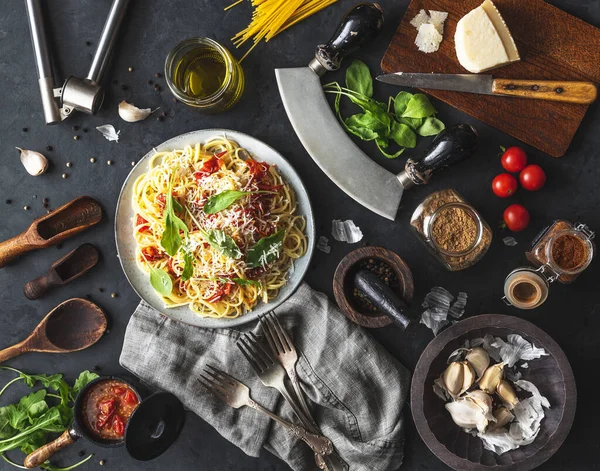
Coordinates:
(419, 106)
(171, 239)
(430, 127)
(161, 281)
(188, 268)
(400, 103)
(223, 243)
(412, 123)
(403, 135)
(358, 78)
(266, 250)
(389, 156)
(47, 422)
(246, 282)
(84, 378)
(223, 200)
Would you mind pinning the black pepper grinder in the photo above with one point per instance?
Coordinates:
(416, 336)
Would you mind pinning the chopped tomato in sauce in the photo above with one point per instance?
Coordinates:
(209, 167)
(141, 224)
(152, 254)
(257, 169)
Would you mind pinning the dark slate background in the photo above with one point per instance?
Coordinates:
(151, 29)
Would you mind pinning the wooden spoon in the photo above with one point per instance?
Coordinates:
(73, 265)
(52, 228)
(71, 326)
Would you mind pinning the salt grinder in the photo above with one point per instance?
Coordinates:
(82, 94)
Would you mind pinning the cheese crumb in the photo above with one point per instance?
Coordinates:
(428, 38)
(437, 19)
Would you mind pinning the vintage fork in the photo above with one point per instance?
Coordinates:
(270, 372)
(236, 394)
(284, 350)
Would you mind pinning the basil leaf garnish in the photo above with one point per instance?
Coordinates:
(266, 250)
(161, 281)
(171, 239)
(223, 200)
(222, 242)
(246, 282)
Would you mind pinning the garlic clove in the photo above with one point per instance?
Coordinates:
(503, 416)
(34, 162)
(453, 378)
(491, 377)
(479, 360)
(483, 401)
(467, 414)
(507, 393)
(468, 377)
(132, 113)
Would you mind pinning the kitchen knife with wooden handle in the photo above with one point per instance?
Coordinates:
(554, 90)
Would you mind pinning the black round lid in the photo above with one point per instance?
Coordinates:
(154, 426)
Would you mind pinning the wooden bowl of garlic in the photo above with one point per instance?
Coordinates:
(493, 391)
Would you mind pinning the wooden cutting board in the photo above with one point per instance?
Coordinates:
(552, 45)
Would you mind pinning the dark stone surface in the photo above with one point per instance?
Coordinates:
(571, 315)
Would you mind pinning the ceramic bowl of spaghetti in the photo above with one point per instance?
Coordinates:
(214, 228)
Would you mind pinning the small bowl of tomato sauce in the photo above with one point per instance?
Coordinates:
(107, 405)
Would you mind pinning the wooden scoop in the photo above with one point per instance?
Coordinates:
(48, 230)
(73, 265)
(71, 326)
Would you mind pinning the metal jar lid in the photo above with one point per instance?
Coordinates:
(526, 288)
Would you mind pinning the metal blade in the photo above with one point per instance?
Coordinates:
(331, 148)
(469, 83)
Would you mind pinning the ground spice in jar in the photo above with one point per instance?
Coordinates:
(454, 230)
(385, 272)
(568, 252)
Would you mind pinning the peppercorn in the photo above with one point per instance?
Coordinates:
(75, 137)
(96, 368)
(174, 100)
(157, 75)
(75, 128)
(130, 69)
(109, 162)
(149, 82)
(101, 290)
(123, 87)
(164, 114)
(25, 129)
(133, 164)
(8, 201)
(49, 148)
(116, 82)
(64, 175)
(88, 43)
(92, 159)
(45, 205)
(45, 200)
(113, 295)
(102, 462)
(81, 453)
(84, 130)
(159, 118)
(69, 164)
(26, 208)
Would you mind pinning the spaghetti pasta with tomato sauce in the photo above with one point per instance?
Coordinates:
(216, 228)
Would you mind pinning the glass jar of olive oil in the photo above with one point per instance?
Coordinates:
(203, 74)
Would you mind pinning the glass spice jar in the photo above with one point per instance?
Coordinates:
(451, 229)
(560, 252)
(204, 75)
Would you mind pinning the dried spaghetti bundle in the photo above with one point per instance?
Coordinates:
(271, 17)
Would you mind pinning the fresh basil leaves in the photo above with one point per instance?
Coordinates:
(412, 115)
(171, 238)
(246, 282)
(223, 200)
(161, 281)
(266, 250)
(222, 242)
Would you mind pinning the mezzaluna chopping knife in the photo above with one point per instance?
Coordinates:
(332, 149)
(553, 90)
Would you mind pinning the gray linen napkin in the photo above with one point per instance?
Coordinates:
(355, 388)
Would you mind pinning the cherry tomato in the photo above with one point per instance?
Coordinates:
(130, 397)
(504, 185)
(514, 159)
(516, 217)
(118, 425)
(532, 177)
(119, 390)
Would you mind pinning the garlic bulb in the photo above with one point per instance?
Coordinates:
(491, 378)
(467, 414)
(34, 162)
(479, 360)
(132, 113)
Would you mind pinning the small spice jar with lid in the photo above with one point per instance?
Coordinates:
(560, 252)
(452, 229)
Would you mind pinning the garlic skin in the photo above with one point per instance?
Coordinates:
(131, 113)
(467, 414)
(34, 162)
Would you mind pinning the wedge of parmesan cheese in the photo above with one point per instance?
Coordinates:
(483, 41)
(428, 38)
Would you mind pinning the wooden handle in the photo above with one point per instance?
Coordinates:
(37, 288)
(45, 452)
(15, 247)
(13, 351)
(569, 92)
